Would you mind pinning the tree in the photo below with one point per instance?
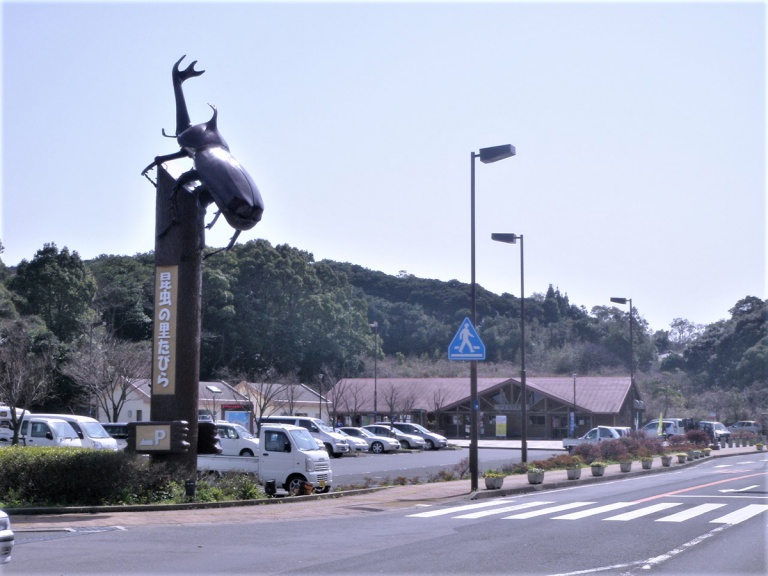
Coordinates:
(27, 359)
(58, 287)
(104, 366)
(683, 332)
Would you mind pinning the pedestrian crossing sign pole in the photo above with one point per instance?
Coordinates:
(466, 345)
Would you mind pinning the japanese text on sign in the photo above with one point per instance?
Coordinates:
(164, 349)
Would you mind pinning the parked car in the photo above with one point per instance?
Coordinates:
(355, 444)
(376, 444)
(407, 441)
(669, 427)
(597, 434)
(90, 431)
(235, 439)
(43, 431)
(118, 431)
(715, 430)
(7, 538)
(432, 441)
(752, 426)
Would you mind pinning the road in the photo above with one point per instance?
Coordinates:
(705, 519)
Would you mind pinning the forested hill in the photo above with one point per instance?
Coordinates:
(271, 311)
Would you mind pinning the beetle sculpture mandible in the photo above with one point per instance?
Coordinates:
(223, 179)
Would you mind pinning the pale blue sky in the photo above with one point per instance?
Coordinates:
(640, 132)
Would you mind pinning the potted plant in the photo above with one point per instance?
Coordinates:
(759, 446)
(707, 451)
(535, 475)
(682, 457)
(573, 469)
(666, 460)
(625, 465)
(646, 462)
(598, 467)
(493, 479)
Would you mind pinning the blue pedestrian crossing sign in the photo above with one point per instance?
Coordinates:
(466, 345)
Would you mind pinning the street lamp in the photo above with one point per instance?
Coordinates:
(215, 391)
(375, 326)
(487, 156)
(512, 239)
(631, 342)
(320, 396)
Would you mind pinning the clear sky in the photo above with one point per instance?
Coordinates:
(640, 132)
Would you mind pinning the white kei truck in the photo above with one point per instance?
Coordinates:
(288, 459)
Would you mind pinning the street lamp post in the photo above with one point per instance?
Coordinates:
(375, 326)
(320, 396)
(512, 239)
(631, 341)
(487, 156)
(215, 391)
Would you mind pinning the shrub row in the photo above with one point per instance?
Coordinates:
(83, 477)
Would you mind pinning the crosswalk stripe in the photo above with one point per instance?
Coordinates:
(444, 511)
(484, 513)
(691, 513)
(741, 514)
(647, 511)
(594, 511)
(549, 510)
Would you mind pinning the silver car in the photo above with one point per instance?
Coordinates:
(407, 441)
(7, 538)
(355, 444)
(432, 440)
(752, 426)
(376, 444)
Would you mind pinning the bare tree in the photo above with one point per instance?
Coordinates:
(336, 395)
(263, 395)
(27, 353)
(438, 401)
(105, 366)
(353, 398)
(407, 404)
(391, 396)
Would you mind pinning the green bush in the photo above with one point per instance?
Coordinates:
(83, 477)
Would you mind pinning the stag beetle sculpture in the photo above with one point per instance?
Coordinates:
(223, 179)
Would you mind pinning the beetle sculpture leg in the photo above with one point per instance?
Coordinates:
(228, 247)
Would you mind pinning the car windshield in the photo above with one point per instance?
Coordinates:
(63, 430)
(323, 426)
(304, 440)
(243, 432)
(94, 430)
(364, 432)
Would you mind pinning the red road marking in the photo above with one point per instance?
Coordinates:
(700, 486)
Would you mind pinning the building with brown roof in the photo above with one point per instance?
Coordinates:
(443, 404)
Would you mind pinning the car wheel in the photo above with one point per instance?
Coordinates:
(429, 445)
(246, 452)
(405, 444)
(329, 449)
(323, 490)
(295, 484)
(377, 447)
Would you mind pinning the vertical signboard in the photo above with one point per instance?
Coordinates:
(164, 349)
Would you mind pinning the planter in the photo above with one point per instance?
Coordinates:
(647, 464)
(759, 447)
(666, 461)
(493, 483)
(690, 455)
(681, 458)
(573, 473)
(598, 470)
(625, 466)
(535, 477)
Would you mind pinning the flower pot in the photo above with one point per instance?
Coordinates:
(666, 461)
(535, 477)
(759, 447)
(681, 458)
(647, 464)
(690, 455)
(625, 466)
(493, 483)
(574, 473)
(598, 470)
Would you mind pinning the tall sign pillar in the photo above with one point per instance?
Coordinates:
(179, 242)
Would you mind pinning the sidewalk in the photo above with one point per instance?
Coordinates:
(334, 504)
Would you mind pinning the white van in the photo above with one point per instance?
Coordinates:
(89, 430)
(336, 444)
(669, 427)
(42, 431)
(235, 440)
